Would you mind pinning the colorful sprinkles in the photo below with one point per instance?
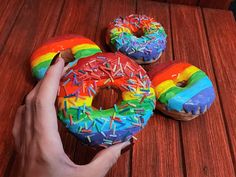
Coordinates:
(105, 127)
(122, 36)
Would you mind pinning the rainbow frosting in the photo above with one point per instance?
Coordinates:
(98, 126)
(81, 47)
(195, 97)
(122, 36)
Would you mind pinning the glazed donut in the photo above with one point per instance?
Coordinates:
(183, 91)
(80, 46)
(83, 108)
(137, 36)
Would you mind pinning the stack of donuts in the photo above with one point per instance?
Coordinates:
(106, 98)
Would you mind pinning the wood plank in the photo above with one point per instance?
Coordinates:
(110, 10)
(161, 0)
(9, 11)
(219, 4)
(187, 2)
(222, 50)
(157, 151)
(78, 17)
(36, 21)
(205, 142)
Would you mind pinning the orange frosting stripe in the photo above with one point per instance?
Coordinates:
(57, 46)
(169, 73)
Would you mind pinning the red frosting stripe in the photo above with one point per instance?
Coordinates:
(87, 77)
(169, 73)
(57, 45)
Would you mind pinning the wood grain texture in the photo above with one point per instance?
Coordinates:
(221, 4)
(110, 10)
(161, 135)
(221, 33)
(37, 20)
(205, 142)
(187, 2)
(9, 11)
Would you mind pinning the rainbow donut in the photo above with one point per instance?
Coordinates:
(137, 36)
(80, 99)
(80, 46)
(183, 91)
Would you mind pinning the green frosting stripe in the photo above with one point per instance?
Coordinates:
(147, 104)
(44, 65)
(175, 89)
(86, 52)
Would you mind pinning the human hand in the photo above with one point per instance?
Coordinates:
(37, 139)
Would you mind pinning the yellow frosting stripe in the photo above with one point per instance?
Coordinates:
(83, 46)
(166, 85)
(187, 73)
(86, 100)
(49, 56)
(43, 58)
(70, 102)
(122, 29)
(127, 95)
(163, 87)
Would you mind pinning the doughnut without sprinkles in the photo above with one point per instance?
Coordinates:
(183, 91)
(81, 87)
(137, 36)
(80, 46)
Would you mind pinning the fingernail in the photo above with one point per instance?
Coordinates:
(67, 55)
(55, 59)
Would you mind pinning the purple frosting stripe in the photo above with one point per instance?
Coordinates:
(202, 101)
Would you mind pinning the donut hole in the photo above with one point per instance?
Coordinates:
(138, 33)
(182, 83)
(106, 97)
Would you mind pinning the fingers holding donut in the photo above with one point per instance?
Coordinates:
(87, 105)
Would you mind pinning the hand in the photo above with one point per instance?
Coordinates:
(37, 139)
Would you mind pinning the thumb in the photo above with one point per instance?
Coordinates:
(106, 158)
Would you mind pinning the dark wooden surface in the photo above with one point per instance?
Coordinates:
(204, 37)
(217, 4)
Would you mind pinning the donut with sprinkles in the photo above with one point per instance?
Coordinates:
(138, 36)
(80, 47)
(81, 107)
(183, 91)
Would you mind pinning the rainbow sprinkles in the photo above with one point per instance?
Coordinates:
(122, 35)
(105, 127)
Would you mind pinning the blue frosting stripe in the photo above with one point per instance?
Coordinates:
(177, 102)
(123, 132)
(202, 100)
(147, 47)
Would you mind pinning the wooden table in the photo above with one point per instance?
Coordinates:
(206, 38)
